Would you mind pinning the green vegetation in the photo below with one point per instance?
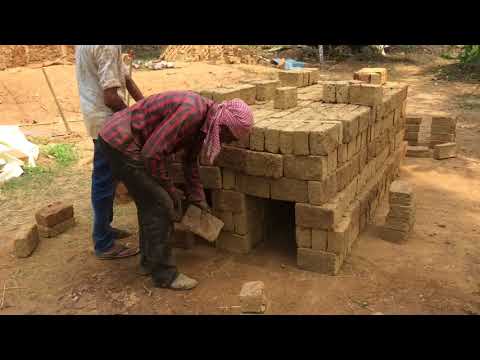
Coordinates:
(470, 54)
(64, 154)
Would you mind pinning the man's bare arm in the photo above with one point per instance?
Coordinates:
(113, 100)
(133, 89)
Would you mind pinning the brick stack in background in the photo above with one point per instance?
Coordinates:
(412, 129)
(443, 130)
(401, 217)
(331, 152)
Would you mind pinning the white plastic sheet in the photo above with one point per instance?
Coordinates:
(12, 138)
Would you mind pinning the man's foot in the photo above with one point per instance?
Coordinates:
(183, 282)
(120, 234)
(118, 251)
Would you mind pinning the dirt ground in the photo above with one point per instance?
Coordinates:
(436, 272)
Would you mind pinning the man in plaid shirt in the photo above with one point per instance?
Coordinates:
(139, 141)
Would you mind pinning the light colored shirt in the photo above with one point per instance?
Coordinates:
(98, 67)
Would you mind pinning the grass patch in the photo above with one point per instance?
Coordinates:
(64, 154)
(32, 179)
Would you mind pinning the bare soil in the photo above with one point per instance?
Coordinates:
(436, 272)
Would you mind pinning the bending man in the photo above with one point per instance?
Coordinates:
(138, 142)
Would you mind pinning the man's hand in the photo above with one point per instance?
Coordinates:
(202, 205)
(177, 197)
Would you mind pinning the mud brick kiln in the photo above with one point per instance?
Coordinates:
(330, 149)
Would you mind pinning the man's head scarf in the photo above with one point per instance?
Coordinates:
(236, 115)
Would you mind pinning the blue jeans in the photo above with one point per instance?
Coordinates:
(103, 193)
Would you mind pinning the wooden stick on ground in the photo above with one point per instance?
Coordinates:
(56, 102)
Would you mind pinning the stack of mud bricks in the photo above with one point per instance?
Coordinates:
(412, 129)
(442, 137)
(54, 219)
(333, 152)
(401, 217)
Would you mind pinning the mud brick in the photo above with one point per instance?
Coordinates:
(303, 237)
(266, 89)
(401, 212)
(443, 121)
(306, 167)
(351, 148)
(325, 138)
(247, 93)
(412, 128)
(355, 164)
(401, 193)
(227, 219)
(252, 298)
(264, 164)
(254, 185)
(364, 115)
(22, 242)
(211, 177)
(375, 75)
(342, 153)
(202, 223)
(286, 139)
(314, 75)
(419, 152)
(329, 92)
(436, 139)
(243, 143)
(227, 200)
(319, 240)
(285, 98)
(240, 223)
(228, 179)
(318, 261)
(222, 94)
(394, 235)
(321, 192)
(289, 190)
(436, 129)
(343, 176)
(363, 157)
(293, 78)
(358, 144)
(399, 224)
(327, 215)
(232, 158)
(341, 92)
(60, 228)
(332, 162)
(349, 127)
(54, 214)
(411, 136)
(257, 137)
(445, 151)
(365, 94)
(413, 120)
(272, 137)
(233, 242)
(337, 239)
(301, 144)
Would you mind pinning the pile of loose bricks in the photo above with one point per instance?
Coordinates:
(331, 148)
(51, 221)
(442, 138)
(401, 216)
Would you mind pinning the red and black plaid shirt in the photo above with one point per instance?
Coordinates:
(159, 126)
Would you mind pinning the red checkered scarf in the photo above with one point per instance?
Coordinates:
(234, 114)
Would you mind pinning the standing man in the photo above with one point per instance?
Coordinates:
(102, 83)
(138, 142)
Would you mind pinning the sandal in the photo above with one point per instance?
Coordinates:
(118, 251)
